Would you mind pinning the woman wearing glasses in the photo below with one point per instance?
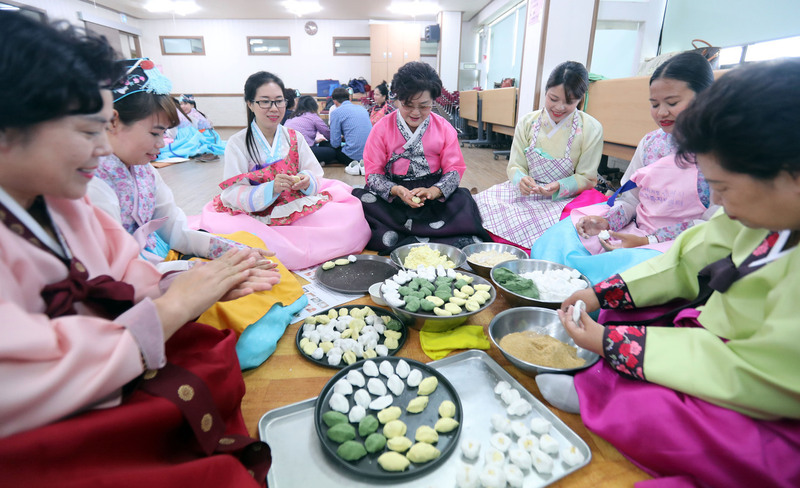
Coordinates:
(413, 166)
(274, 188)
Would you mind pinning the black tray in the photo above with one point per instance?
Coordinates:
(357, 277)
(368, 465)
(380, 311)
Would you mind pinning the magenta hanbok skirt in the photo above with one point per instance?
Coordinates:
(337, 229)
(680, 439)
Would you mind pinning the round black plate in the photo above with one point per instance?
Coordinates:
(368, 465)
(377, 310)
(359, 276)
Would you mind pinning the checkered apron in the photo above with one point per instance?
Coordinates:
(521, 219)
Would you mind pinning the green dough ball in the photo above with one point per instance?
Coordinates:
(442, 293)
(394, 325)
(404, 290)
(414, 285)
(332, 418)
(367, 426)
(516, 283)
(418, 294)
(342, 432)
(412, 304)
(428, 286)
(460, 283)
(351, 451)
(426, 305)
(374, 443)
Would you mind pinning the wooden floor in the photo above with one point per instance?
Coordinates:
(287, 378)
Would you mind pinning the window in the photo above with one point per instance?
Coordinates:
(269, 46)
(428, 48)
(787, 47)
(25, 10)
(351, 46)
(182, 45)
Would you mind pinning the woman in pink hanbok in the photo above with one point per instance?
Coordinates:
(414, 166)
(274, 188)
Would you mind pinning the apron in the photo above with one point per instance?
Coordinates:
(290, 205)
(521, 219)
(667, 196)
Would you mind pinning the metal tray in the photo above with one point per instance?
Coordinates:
(359, 276)
(368, 465)
(378, 310)
(298, 458)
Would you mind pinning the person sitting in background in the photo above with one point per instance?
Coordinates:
(306, 121)
(708, 394)
(106, 382)
(666, 198)
(351, 123)
(274, 188)
(381, 107)
(414, 166)
(194, 136)
(291, 96)
(554, 157)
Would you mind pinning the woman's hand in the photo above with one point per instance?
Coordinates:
(282, 183)
(588, 297)
(623, 241)
(300, 182)
(591, 225)
(406, 196)
(547, 190)
(232, 275)
(431, 193)
(587, 334)
(527, 185)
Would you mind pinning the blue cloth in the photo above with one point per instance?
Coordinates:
(259, 340)
(191, 142)
(161, 248)
(351, 122)
(561, 244)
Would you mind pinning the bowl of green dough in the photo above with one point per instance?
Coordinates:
(537, 283)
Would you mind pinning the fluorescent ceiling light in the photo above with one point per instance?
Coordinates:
(180, 7)
(300, 8)
(415, 7)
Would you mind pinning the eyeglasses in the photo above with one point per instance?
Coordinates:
(270, 103)
(421, 108)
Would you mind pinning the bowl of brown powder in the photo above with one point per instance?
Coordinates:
(534, 340)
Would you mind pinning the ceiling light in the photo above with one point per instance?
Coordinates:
(180, 7)
(300, 8)
(414, 7)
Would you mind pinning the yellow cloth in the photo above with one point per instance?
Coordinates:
(439, 344)
(238, 314)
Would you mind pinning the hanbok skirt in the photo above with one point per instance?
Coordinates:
(455, 221)
(336, 229)
(681, 439)
(145, 441)
(191, 142)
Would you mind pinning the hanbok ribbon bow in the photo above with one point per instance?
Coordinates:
(104, 294)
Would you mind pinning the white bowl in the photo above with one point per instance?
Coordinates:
(375, 293)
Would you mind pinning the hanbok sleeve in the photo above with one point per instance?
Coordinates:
(452, 163)
(624, 209)
(309, 165)
(585, 177)
(242, 195)
(376, 155)
(103, 197)
(517, 162)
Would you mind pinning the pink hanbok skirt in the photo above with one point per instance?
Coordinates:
(682, 440)
(336, 229)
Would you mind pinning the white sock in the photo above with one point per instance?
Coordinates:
(559, 390)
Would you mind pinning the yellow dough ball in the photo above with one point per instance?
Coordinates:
(393, 461)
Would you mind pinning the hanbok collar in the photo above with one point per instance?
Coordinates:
(270, 152)
(551, 127)
(59, 246)
(777, 251)
(410, 136)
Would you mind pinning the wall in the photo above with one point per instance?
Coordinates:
(728, 22)
(449, 49)
(67, 10)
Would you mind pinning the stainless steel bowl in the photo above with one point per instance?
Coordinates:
(454, 254)
(481, 270)
(521, 266)
(429, 322)
(543, 321)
